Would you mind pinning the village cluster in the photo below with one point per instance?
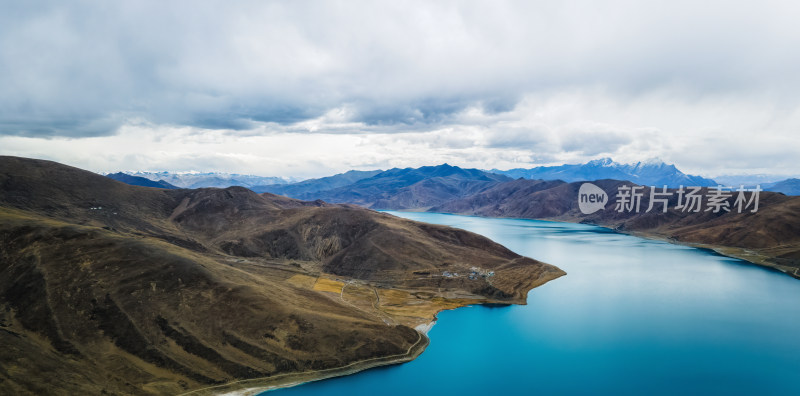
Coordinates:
(474, 273)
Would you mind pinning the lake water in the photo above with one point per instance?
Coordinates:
(633, 316)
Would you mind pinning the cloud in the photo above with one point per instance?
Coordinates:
(500, 84)
(83, 69)
(593, 139)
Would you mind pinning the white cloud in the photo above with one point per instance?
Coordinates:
(707, 137)
(297, 88)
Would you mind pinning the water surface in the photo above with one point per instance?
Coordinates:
(633, 316)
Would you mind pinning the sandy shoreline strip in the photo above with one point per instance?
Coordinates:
(257, 385)
(425, 327)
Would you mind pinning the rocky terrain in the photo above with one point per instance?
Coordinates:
(107, 288)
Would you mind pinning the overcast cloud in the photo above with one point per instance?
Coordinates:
(308, 88)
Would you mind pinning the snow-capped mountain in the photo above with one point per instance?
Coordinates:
(210, 179)
(653, 172)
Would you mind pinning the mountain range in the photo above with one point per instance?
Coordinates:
(108, 288)
(767, 237)
(428, 186)
(446, 188)
(432, 185)
(397, 188)
(308, 187)
(788, 186)
(140, 181)
(653, 172)
(209, 179)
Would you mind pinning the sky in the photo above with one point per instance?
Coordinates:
(309, 89)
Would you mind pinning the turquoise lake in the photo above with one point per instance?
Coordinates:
(632, 316)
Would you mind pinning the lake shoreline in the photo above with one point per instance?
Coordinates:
(727, 251)
(256, 386)
(259, 385)
(635, 316)
(743, 254)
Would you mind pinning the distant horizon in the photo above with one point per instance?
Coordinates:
(294, 178)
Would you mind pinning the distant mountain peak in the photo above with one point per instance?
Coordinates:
(653, 161)
(607, 162)
(651, 165)
(652, 171)
(442, 167)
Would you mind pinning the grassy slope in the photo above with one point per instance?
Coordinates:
(134, 290)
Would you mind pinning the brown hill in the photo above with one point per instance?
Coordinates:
(518, 197)
(407, 188)
(112, 288)
(771, 236)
